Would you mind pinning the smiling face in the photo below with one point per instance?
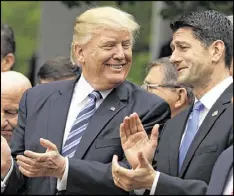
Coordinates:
(192, 59)
(106, 59)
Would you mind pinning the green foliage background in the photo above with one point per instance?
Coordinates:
(24, 17)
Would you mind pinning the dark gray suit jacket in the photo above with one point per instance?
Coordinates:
(213, 137)
(220, 172)
(43, 112)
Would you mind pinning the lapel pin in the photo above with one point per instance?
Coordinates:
(215, 113)
(112, 108)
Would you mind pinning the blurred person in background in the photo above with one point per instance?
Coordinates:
(13, 85)
(58, 68)
(7, 47)
(231, 68)
(161, 80)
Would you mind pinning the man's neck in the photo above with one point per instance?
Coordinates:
(202, 88)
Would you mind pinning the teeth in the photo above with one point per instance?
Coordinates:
(116, 66)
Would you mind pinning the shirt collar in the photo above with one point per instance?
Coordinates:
(83, 89)
(211, 96)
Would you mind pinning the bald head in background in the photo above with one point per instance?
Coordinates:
(13, 85)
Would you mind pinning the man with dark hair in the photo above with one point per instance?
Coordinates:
(7, 47)
(191, 142)
(59, 68)
(161, 80)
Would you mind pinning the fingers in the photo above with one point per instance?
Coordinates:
(35, 155)
(139, 124)
(48, 144)
(133, 124)
(154, 135)
(120, 174)
(27, 172)
(28, 167)
(123, 136)
(26, 160)
(126, 126)
(117, 170)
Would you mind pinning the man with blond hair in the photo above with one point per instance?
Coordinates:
(68, 130)
(13, 85)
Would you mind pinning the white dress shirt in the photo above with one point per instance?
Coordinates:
(208, 101)
(228, 190)
(79, 99)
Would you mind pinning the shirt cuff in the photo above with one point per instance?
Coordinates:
(139, 191)
(4, 182)
(62, 184)
(154, 186)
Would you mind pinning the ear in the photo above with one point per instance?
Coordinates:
(7, 62)
(79, 54)
(181, 98)
(217, 50)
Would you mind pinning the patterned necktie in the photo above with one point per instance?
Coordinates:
(191, 131)
(80, 125)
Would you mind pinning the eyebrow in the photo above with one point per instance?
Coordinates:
(178, 42)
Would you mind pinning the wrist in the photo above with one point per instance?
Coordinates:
(151, 180)
(62, 168)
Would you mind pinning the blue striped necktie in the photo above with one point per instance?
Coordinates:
(80, 125)
(191, 131)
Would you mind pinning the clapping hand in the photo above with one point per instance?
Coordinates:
(50, 163)
(134, 139)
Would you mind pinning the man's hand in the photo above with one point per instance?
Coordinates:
(50, 163)
(5, 157)
(134, 139)
(140, 178)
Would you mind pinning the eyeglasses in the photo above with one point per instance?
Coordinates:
(147, 86)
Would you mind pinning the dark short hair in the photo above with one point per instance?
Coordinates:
(208, 26)
(7, 40)
(58, 68)
(171, 75)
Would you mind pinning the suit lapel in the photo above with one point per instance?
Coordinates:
(116, 99)
(174, 142)
(58, 111)
(221, 172)
(219, 106)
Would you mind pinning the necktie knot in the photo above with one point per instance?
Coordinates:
(198, 106)
(95, 95)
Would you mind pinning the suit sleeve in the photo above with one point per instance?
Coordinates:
(95, 174)
(158, 114)
(16, 180)
(170, 185)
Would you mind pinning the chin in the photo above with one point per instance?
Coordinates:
(7, 136)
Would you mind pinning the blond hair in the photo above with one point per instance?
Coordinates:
(106, 17)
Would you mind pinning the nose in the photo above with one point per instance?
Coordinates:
(119, 53)
(4, 121)
(175, 58)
